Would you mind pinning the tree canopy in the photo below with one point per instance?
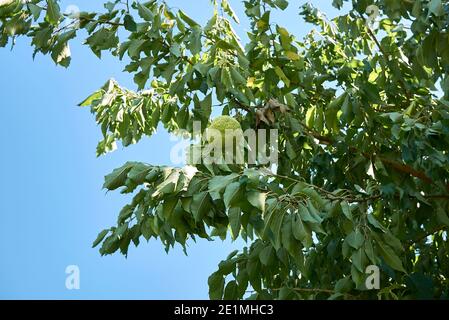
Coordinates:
(361, 104)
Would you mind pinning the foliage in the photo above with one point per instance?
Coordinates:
(363, 174)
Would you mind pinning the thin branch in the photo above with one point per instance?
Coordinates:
(329, 141)
(394, 164)
(405, 168)
(385, 54)
(116, 24)
(328, 194)
(322, 139)
(242, 106)
(127, 6)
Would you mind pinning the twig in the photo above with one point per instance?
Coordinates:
(385, 54)
(316, 135)
(328, 141)
(405, 168)
(328, 194)
(116, 24)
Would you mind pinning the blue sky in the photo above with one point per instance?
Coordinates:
(52, 203)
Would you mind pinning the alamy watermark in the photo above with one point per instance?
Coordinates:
(72, 281)
(372, 282)
(373, 13)
(228, 146)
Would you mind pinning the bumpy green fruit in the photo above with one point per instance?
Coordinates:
(223, 123)
(4, 3)
(225, 133)
(9, 7)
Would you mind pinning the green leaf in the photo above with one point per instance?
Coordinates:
(217, 184)
(290, 150)
(346, 210)
(216, 285)
(144, 12)
(227, 8)
(175, 49)
(35, 10)
(110, 245)
(357, 277)
(232, 194)
(436, 7)
(117, 177)
(375, 223)
(147, 228)
(285, 293)
(234, 221)
(200, 205)
(359, 259)
(344, 285)
(369, 250)
(168, 207)
(226, 266)
(103, 39)
(125, 213)
(308, 214)
(282, 76)
(129, 23)
(257, 199)
(237, 77)
(355, 239)
(231, 291)
(301, 232)
(168, 185)
(135, 47)
(276, 223)
(139, 172)
(53, 12)
(390, 256)
(152, 175)
(266, 254)
(281, 4)
(310, 117)
(100, 237)
(195, 44)
(61, 54)
(393, 242)
(88, 101)
(192, 23)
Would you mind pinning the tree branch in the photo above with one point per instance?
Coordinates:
(385, 54)
(406, 169)
(328, 141)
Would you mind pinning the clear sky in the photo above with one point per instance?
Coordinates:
(52, 203)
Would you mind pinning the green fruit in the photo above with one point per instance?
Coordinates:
(5, 3)
(9, 7)
(223, 124)
(225, 134)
